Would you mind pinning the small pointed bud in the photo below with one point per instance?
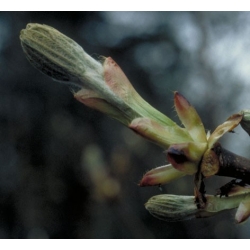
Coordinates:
(228, 126)
(109, 90)
(186, 157)
(159, 134)
(245, 122)
(160, 176)
(190, 118)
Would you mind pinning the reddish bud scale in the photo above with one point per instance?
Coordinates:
(189, 118)
(160, 176)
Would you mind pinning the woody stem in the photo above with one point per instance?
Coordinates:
(232, 165)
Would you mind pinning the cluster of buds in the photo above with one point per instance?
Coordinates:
(190, 150)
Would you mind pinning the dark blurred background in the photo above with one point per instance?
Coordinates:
(67, 171)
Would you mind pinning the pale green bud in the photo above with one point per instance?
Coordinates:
(56, 55)
(173, 208)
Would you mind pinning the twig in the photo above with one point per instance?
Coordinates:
(232, 165)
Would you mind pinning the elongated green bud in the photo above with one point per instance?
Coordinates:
(108, 88)
(61, 58)
(56, 55)
(173, 208)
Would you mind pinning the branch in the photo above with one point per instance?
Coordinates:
(232, 165)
